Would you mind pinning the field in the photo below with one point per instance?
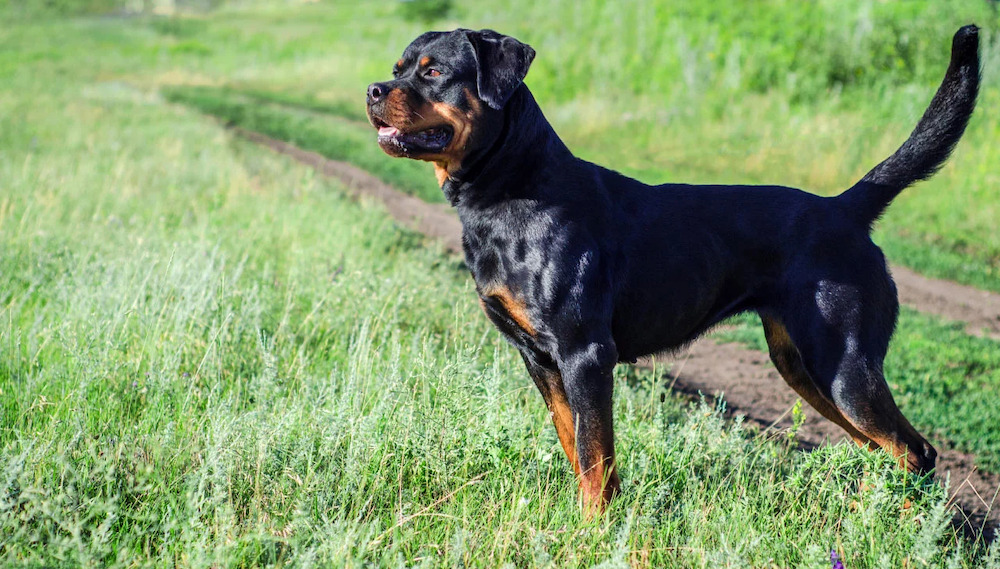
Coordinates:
(211, 356)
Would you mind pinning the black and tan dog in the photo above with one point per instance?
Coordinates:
(581, 267)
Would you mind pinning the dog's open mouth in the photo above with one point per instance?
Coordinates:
(428, 140)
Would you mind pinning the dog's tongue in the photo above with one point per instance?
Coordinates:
(388, 131)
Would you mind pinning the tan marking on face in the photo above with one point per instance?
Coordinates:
(441, 174)
(514, 307)
(425, 61)
(401, 113)
(399, 63)
(398, 106)
(462, 123)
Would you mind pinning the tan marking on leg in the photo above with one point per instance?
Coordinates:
(887, 429)
(514, 307)
(894, 441)
(792, 371)
(550, 385)
(562, 418)
(599, 483)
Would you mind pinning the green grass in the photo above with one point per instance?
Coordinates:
(208, 357)
(940, 377)
(212, 359)
(941, 373)
(809, 95)
(281, 377)
(322, 132)
(296, 120)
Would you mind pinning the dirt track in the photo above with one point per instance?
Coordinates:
(750, 383)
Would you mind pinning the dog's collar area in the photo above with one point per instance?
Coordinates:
(524, 129)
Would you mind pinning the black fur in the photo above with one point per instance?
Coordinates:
(581, 267)
(503, 62)
(934, 137)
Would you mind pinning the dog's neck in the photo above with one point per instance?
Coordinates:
(525, 139)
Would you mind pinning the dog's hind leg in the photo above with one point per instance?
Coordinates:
(788, 362)
(842, 331)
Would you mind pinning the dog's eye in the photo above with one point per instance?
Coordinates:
(431, 72)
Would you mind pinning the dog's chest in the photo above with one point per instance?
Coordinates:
(509, 312)
(508, 290)
(514, 260)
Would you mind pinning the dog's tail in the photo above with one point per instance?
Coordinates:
(931, 141)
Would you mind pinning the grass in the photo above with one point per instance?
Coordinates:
(804, 95)
(933, 366)
(208, 357)
(281, 377)
(311, 127)
(290, 380)
(940, 376)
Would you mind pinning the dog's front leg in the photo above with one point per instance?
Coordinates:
(550, 384)
(588, 381)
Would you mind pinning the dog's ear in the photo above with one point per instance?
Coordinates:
(503, 62)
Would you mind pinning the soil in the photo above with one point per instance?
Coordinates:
(750, 384)
(979, 309)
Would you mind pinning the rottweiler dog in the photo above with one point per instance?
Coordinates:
(581, 267)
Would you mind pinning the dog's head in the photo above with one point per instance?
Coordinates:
(447, 92)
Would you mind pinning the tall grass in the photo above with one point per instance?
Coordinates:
(209, 358)
(939, 372)
(810, 95)
(939, 376)
(311, 126)
(659, 48)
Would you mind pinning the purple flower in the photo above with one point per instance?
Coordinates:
(835, 560)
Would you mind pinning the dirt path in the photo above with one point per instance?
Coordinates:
(746, 377)
(979, 309)
(753, 388)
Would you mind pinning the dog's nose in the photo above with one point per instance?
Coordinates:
(376, 91)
